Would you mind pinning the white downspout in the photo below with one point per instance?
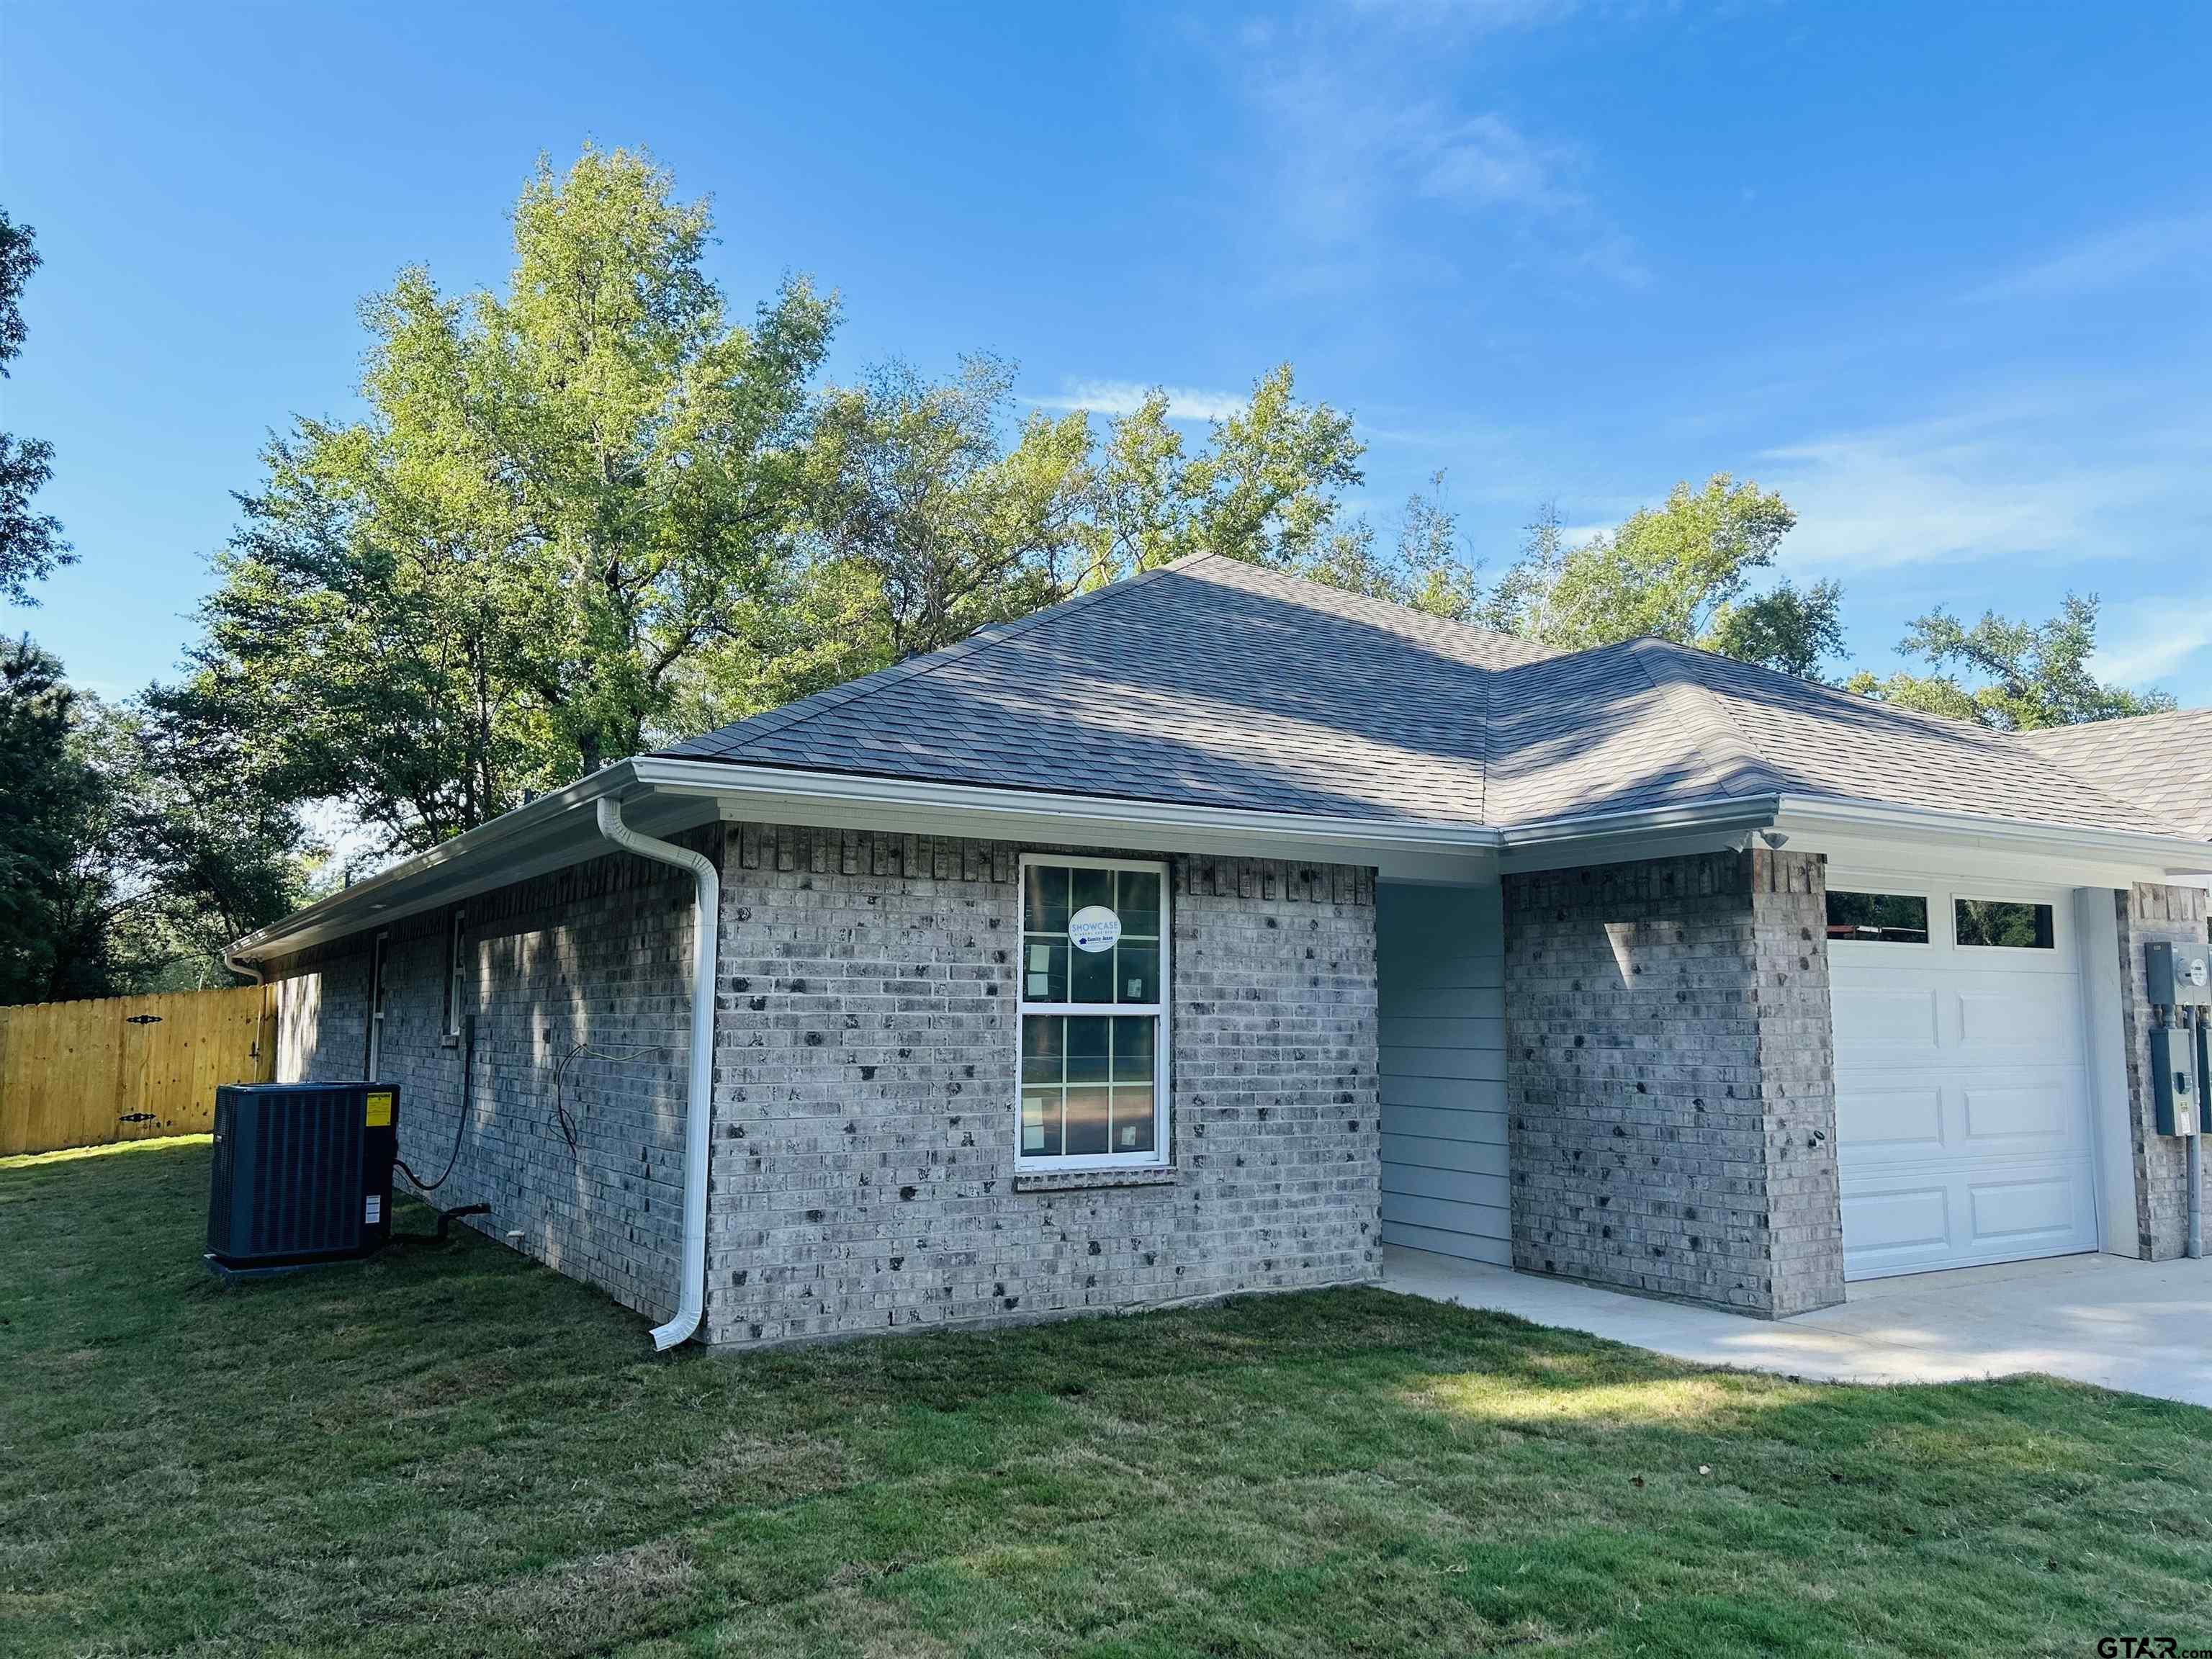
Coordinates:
(2196, 1245)
(698, 1121)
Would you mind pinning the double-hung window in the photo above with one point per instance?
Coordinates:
(1093, 994)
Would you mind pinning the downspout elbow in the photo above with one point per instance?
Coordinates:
(698, 1112)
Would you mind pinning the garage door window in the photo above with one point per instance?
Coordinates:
(2003, 924)
(1878, 917)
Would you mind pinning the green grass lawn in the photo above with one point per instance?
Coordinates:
(451, 1451)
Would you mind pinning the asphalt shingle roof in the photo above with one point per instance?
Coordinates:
(2162, 763)
(1217, 682)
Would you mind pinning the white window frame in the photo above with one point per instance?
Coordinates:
(380, 956)
(1888, 947)
(456, 936)
(2050, 952)
(1162, 1091)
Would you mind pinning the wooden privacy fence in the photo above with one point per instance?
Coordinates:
(128, 1068)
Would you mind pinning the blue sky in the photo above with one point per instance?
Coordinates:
(1936, 273)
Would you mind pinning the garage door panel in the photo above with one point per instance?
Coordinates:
(2034, 1014)
(1881, 1224)
(2001, 1117)
(1962, 1099)
(1874, 1121)
(2029, 1211)
(1885, 1021)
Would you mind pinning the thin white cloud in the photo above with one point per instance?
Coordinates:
(2145, 641)
(1365, 131)
(1483, 161)
(2111, 259)
(1125, 397)
(1959, 490)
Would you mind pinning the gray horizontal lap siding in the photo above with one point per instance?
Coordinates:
(1441, 1062)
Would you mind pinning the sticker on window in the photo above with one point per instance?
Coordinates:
(1094, 928)
(1040, 985)
(374, 1210)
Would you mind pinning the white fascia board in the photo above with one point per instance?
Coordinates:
(1878, 834)
(557, 829)
(1655, 832)
(665, 795)
(769, 794)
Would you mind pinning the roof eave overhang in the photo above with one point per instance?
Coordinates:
(557, 829)
(2136, 854)
(666, 794)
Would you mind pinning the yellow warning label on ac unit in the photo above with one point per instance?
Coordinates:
(379, 1109)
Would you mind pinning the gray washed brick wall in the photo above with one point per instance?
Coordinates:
(864, 1175)
(1670, 1073)
(2148, 911)
(598, 955)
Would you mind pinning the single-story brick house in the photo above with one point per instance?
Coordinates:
(1210, 931)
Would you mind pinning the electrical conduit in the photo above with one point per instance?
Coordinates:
(698, 1119)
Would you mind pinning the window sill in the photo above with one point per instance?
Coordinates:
(1076, 1181)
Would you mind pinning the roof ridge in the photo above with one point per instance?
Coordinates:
(1541, 653)
(2002, 741)
(1656, 658)
(2035, 734)
(991, 634)
(1821, 688)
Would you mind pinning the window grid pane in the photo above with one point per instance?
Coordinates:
(1877, 918)
(1089, 1081)
(2003, 924)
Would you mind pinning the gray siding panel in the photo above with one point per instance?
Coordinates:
(1441, 971)
(1437, 1123)
(1431, 1153)
(1498, 1252)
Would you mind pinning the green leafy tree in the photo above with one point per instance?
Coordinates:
(568, 514)
(52, 906)
(2009, 676)
(934, 512)
(1794, 630)
(930, 526)
(30, 544)
(200, 855)
(1426, 567)
(1680, 572)
(129, 853)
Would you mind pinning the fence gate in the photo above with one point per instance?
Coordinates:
(127, 1068)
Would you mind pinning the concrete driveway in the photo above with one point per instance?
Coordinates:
(2144, 1326)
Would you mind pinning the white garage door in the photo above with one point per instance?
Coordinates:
(1962, 1095)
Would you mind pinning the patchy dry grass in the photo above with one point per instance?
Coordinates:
(452, 1451)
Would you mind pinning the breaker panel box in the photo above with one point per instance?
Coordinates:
(2176, 1087)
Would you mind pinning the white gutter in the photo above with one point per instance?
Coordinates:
(1091, 814)
(698, 1110)
(537, 815)
(2173, 854)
